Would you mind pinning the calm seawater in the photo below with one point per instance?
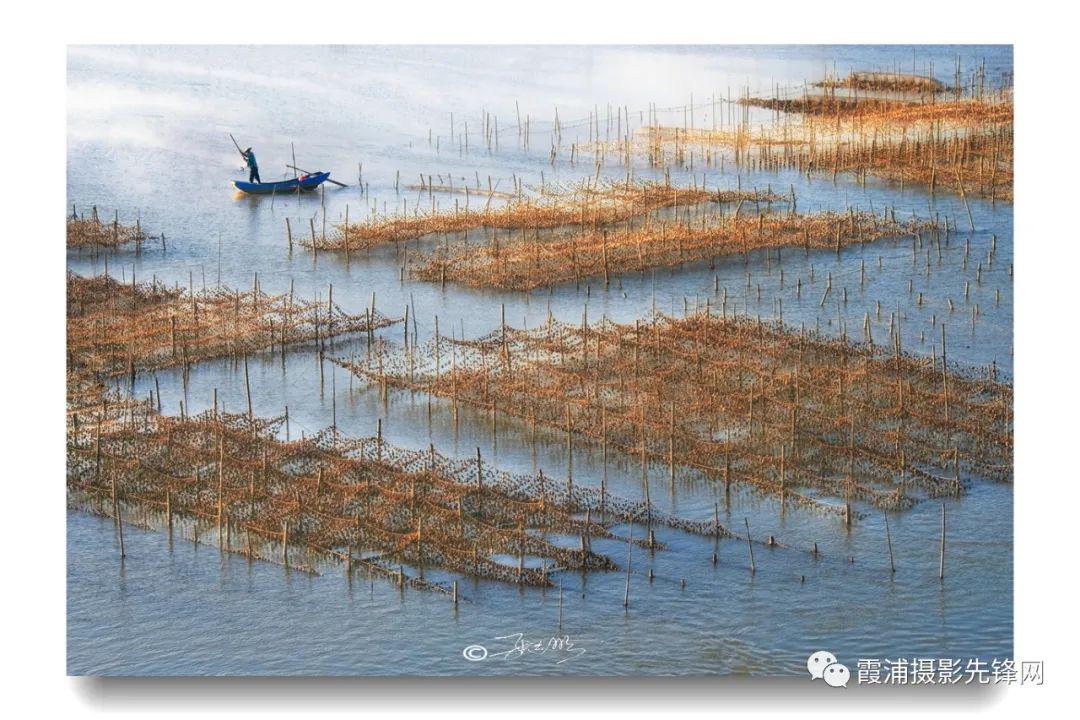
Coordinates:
(147, 136)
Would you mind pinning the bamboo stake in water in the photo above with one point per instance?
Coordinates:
(750, 546)
(629, 553)
(560, 602)
(247, 386)
(116, 515)
(285, 543)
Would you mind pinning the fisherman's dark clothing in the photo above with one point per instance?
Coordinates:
(253, 167)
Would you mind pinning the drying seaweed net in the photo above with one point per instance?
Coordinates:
(527, 261)
(977, 162)
(93, 407)
(963, 163)
(232, 480)
(116, 328)
(961, 145)
(594, 203)
(90, 232)
(884, 112)
(886, 81)
(817, 423)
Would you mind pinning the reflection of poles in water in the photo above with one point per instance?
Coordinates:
(716, 533)
(941, 560)
(629, 553)
(560, 603)
(888, 541)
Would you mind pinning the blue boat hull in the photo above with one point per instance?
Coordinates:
(304, 182)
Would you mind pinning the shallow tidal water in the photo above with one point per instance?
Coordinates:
(147, 136)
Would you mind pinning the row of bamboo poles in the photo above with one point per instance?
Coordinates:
(817, 423)
(232, 480)
(525, 261)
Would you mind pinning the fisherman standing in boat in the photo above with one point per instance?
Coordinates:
(253, 167)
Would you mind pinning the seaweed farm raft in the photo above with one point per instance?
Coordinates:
(592, 203)
(818, 423)
(527, 261)
(115, 328)
(228, 479)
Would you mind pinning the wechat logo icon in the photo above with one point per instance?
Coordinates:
(822, 665)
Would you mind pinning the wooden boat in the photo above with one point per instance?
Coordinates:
(303, 182)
